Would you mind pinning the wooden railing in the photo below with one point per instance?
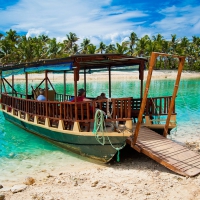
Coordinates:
(158, 106)
(116, 109)
(61, 97)
(16, 94)
(154, 105)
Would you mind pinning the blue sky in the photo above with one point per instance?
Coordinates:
(109, 21)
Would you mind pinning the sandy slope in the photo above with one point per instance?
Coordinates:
(136, 177)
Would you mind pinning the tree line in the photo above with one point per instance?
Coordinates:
(15, 48)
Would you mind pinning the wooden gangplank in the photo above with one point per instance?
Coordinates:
(166, 152)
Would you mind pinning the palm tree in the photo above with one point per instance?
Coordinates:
(71, 39)
(141, 46)
(173, 44)
(8, 46)
(43, 38)
(74, 49)
(54, 49)
(183, 46)
(102, 47)
(26, 49)
(12, 36)
(150, 47)
(1, 36)
(84, 45)
(91, 49)
(6, 51)
(122, 49)
(196, 46)
(110, 48)
(158, 42)
(133, 38)
(39, 47)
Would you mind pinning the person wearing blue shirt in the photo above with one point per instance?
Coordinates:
(41, 97)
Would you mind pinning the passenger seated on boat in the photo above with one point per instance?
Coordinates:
(41, 97)
(81, 96)
(102, 96)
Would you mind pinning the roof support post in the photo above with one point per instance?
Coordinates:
(26, 78)
(180, 68)
(76, 76)
(1, 81)
(12, 84)
(109, 75)
(141, 88)
(46, 84)
(85, 82)
(144, 99)
(64, 97)
(141, 77)
(46, 91)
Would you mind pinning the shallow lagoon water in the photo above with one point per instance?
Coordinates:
(23, 153)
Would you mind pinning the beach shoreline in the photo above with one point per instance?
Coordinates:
(134, 177)
(116, 75)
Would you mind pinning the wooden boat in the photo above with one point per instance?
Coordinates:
(71, 124)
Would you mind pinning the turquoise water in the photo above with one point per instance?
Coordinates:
(17, 145)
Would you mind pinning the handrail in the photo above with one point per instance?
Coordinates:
(154, 105)
(62, 97)
(116, 109)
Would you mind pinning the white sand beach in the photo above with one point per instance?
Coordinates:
(135, 177)
(116, 75)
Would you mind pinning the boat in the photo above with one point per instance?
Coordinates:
(97, 129)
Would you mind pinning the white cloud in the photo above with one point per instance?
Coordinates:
(183, 21)
(96, 20)
(36, 32)
(93, 19)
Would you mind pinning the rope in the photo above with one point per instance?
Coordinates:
(100, 127)
(107, 108)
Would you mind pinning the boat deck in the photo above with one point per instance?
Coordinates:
(166, 152)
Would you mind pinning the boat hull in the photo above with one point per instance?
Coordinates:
(82, 144)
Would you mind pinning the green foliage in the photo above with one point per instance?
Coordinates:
(15, 48)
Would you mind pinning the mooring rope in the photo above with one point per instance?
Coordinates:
(100, 127)
(108, 113)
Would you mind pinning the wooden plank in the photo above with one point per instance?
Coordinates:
(166, 152)
(153, 142)
(181, 156)
(190, 160)
(190, 166)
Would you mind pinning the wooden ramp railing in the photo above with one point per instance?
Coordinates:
(166, 152)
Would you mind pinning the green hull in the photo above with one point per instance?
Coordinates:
(84, 145)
